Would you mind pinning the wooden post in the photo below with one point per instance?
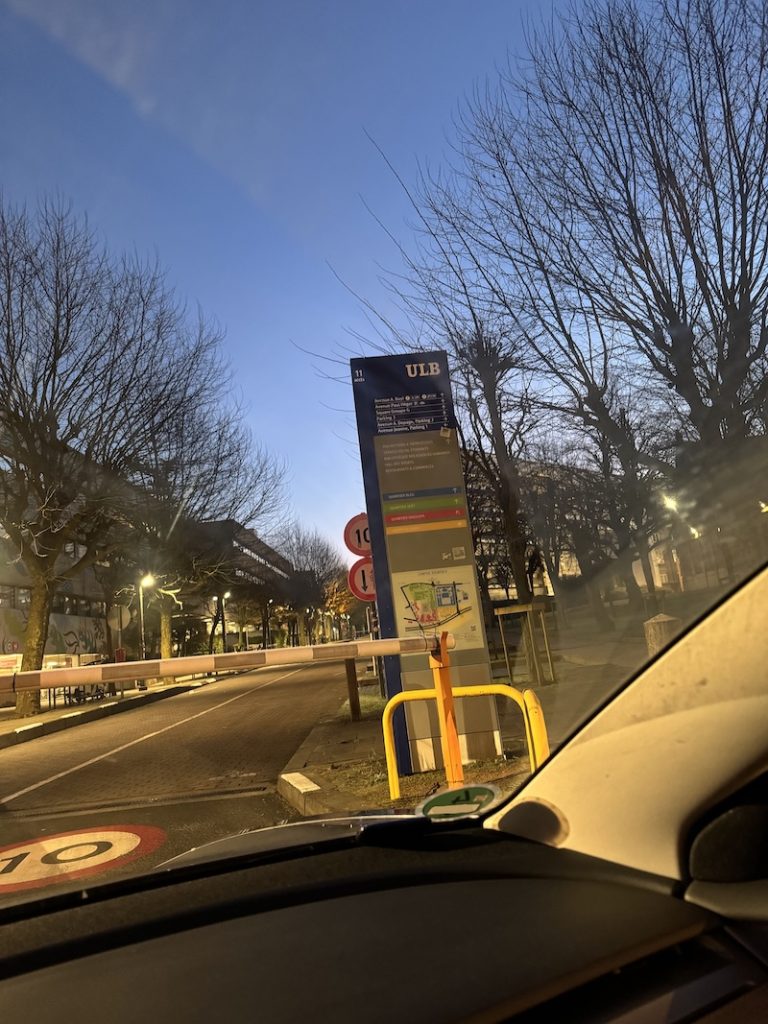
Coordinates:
(440, 663)
(354, 696)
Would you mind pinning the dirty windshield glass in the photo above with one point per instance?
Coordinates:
(381, 385)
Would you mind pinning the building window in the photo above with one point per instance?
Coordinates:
(23, 597)
(6, 597)
(83, 606)
(62, 604)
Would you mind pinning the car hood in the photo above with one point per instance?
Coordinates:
(284, 837)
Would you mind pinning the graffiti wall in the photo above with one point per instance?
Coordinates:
(67, 634)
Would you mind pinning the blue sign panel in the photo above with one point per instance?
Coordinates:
(415, 497)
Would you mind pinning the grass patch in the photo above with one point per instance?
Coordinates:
(366, 781)
(371, 706)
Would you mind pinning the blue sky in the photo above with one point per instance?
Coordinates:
(230, 139)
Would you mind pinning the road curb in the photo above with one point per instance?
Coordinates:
(298, 788)
(32, 731)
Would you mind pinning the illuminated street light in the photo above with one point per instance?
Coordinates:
(669, 503)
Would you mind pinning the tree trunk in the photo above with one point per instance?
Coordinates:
(214, 626)
(109, 635)
(602, 616)
(634, 593)
(601, 613)
(166, 636)
(35, 638)
(641, 543)
(625, 560)
(507, 493)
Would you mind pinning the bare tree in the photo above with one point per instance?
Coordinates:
(607, 207)
(614, 195)
(204, 466)
(98, 360)
(497, 412)
(316, 563)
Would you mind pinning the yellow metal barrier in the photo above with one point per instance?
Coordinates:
(539, 738)
(533, 718)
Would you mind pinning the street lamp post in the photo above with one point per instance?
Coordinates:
(224, 598)
(145, 581)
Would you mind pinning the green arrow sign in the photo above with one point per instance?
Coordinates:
(458, 803)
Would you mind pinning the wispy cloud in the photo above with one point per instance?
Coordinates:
(162, 55)
(114, 41)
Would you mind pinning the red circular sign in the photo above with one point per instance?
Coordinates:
(357, 536)
(361, 581)
(65, 856)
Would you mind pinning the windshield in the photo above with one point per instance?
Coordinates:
(403, 327)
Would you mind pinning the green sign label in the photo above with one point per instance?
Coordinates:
(459, 803)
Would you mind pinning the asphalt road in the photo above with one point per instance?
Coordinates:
(196, 767)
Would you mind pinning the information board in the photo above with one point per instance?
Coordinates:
(420, 533)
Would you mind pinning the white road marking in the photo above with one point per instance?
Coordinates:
(140, 739)
(300, 782)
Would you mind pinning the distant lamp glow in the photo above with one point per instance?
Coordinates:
(147, 581)
(695, 533)
(763, 507)
(669, 503)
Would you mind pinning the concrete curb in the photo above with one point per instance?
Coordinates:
(70, 719)
(297, 787)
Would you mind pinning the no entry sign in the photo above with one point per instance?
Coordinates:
(361, 581)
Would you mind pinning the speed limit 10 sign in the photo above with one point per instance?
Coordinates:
(67, 856)
(357, 536)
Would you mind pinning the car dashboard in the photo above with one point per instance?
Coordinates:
(411, 922)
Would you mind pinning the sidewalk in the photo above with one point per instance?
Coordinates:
(14, 730)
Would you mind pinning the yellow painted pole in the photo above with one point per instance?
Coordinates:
(537, 726)
(389, 747)
(440, 663)
(389, 734)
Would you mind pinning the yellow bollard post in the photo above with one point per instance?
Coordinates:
(538, 729)
(389, 750)
(440, 662)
